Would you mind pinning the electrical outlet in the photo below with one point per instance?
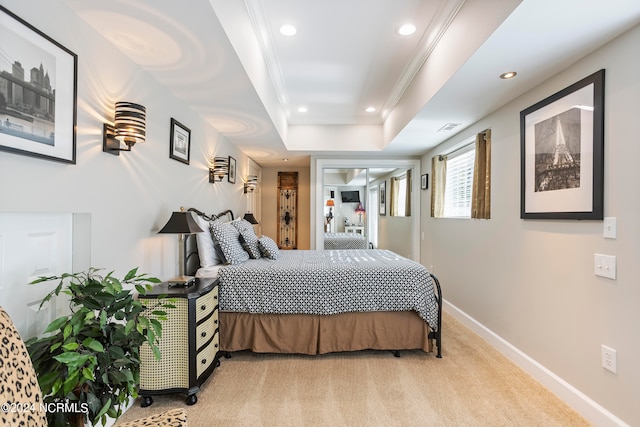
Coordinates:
(609, 359)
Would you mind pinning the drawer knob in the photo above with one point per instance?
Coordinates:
(215, 321)
(203, 307)
(203, 334)
(204, 361)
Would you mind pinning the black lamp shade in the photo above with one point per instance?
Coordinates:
(181, 223)
(249, 217)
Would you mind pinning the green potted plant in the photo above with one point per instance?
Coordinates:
(88, 362)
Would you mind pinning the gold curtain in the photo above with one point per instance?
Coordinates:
(407, 205)
(438, 181)
(393, 194)
(481, 196)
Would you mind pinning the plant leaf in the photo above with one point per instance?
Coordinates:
(56, 324)
(93, 344)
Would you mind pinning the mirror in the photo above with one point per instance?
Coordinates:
(353, 216)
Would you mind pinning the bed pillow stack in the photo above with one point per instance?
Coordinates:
(226, 239)
(248, 238)
(268, 247)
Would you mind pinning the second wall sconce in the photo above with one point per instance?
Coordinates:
(219, 170)
(250, 183)
(129, 127)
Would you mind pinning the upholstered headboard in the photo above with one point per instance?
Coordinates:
(191, 257)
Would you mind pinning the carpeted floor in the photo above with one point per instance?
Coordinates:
(472, 385)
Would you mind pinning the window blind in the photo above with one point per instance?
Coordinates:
(459, 183)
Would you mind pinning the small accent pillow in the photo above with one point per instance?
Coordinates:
(206, 251)
(248, 237)
(227, 238)
(268, 247)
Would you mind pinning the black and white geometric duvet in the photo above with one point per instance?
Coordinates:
(329, 282)
(345, 241)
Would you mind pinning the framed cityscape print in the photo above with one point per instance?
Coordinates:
(38, 89)
(562, 153)
(180, 142)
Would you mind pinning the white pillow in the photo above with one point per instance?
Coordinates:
(206, 251)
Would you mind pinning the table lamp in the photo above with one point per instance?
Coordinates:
(360, 210)
(181, 223)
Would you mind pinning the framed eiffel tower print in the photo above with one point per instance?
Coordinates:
(562, 153)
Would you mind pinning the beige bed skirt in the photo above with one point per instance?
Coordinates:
(311, 334)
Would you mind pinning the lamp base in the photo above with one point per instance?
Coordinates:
(182, 281)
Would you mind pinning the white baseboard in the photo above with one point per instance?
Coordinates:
(585, 406)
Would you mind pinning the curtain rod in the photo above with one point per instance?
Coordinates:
(472, 141)
(457, 149)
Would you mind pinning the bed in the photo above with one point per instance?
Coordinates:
(345, 241)
(314, 302)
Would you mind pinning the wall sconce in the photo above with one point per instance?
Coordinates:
(250, 183)
(219, 170)
(129, 127)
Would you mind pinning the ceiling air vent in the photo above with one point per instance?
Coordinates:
(449, 126)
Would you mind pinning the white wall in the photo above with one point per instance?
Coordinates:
(531, 282)
(131, 196)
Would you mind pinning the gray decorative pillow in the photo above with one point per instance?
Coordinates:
(248, 237)
(227, 239)
(268, 247)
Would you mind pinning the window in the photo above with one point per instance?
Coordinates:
(459, 183)
(401, 194)
(462, 180)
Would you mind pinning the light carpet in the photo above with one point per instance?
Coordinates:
(472, 385)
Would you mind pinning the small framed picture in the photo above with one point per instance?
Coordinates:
(180, 145)
(231, 177)
(424, 181)
(383, 197)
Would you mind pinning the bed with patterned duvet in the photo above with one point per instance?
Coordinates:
(313, 301)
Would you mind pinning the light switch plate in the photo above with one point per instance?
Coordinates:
(605, 266)
(610, 228)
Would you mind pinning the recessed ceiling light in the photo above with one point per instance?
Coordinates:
(508, 75)
(407, 30)
(302, 109)
(370, 109)
(288, 30)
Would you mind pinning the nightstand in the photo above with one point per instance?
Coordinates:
(358, 229)
(189, 346)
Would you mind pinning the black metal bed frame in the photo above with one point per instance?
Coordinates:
(192, 263)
